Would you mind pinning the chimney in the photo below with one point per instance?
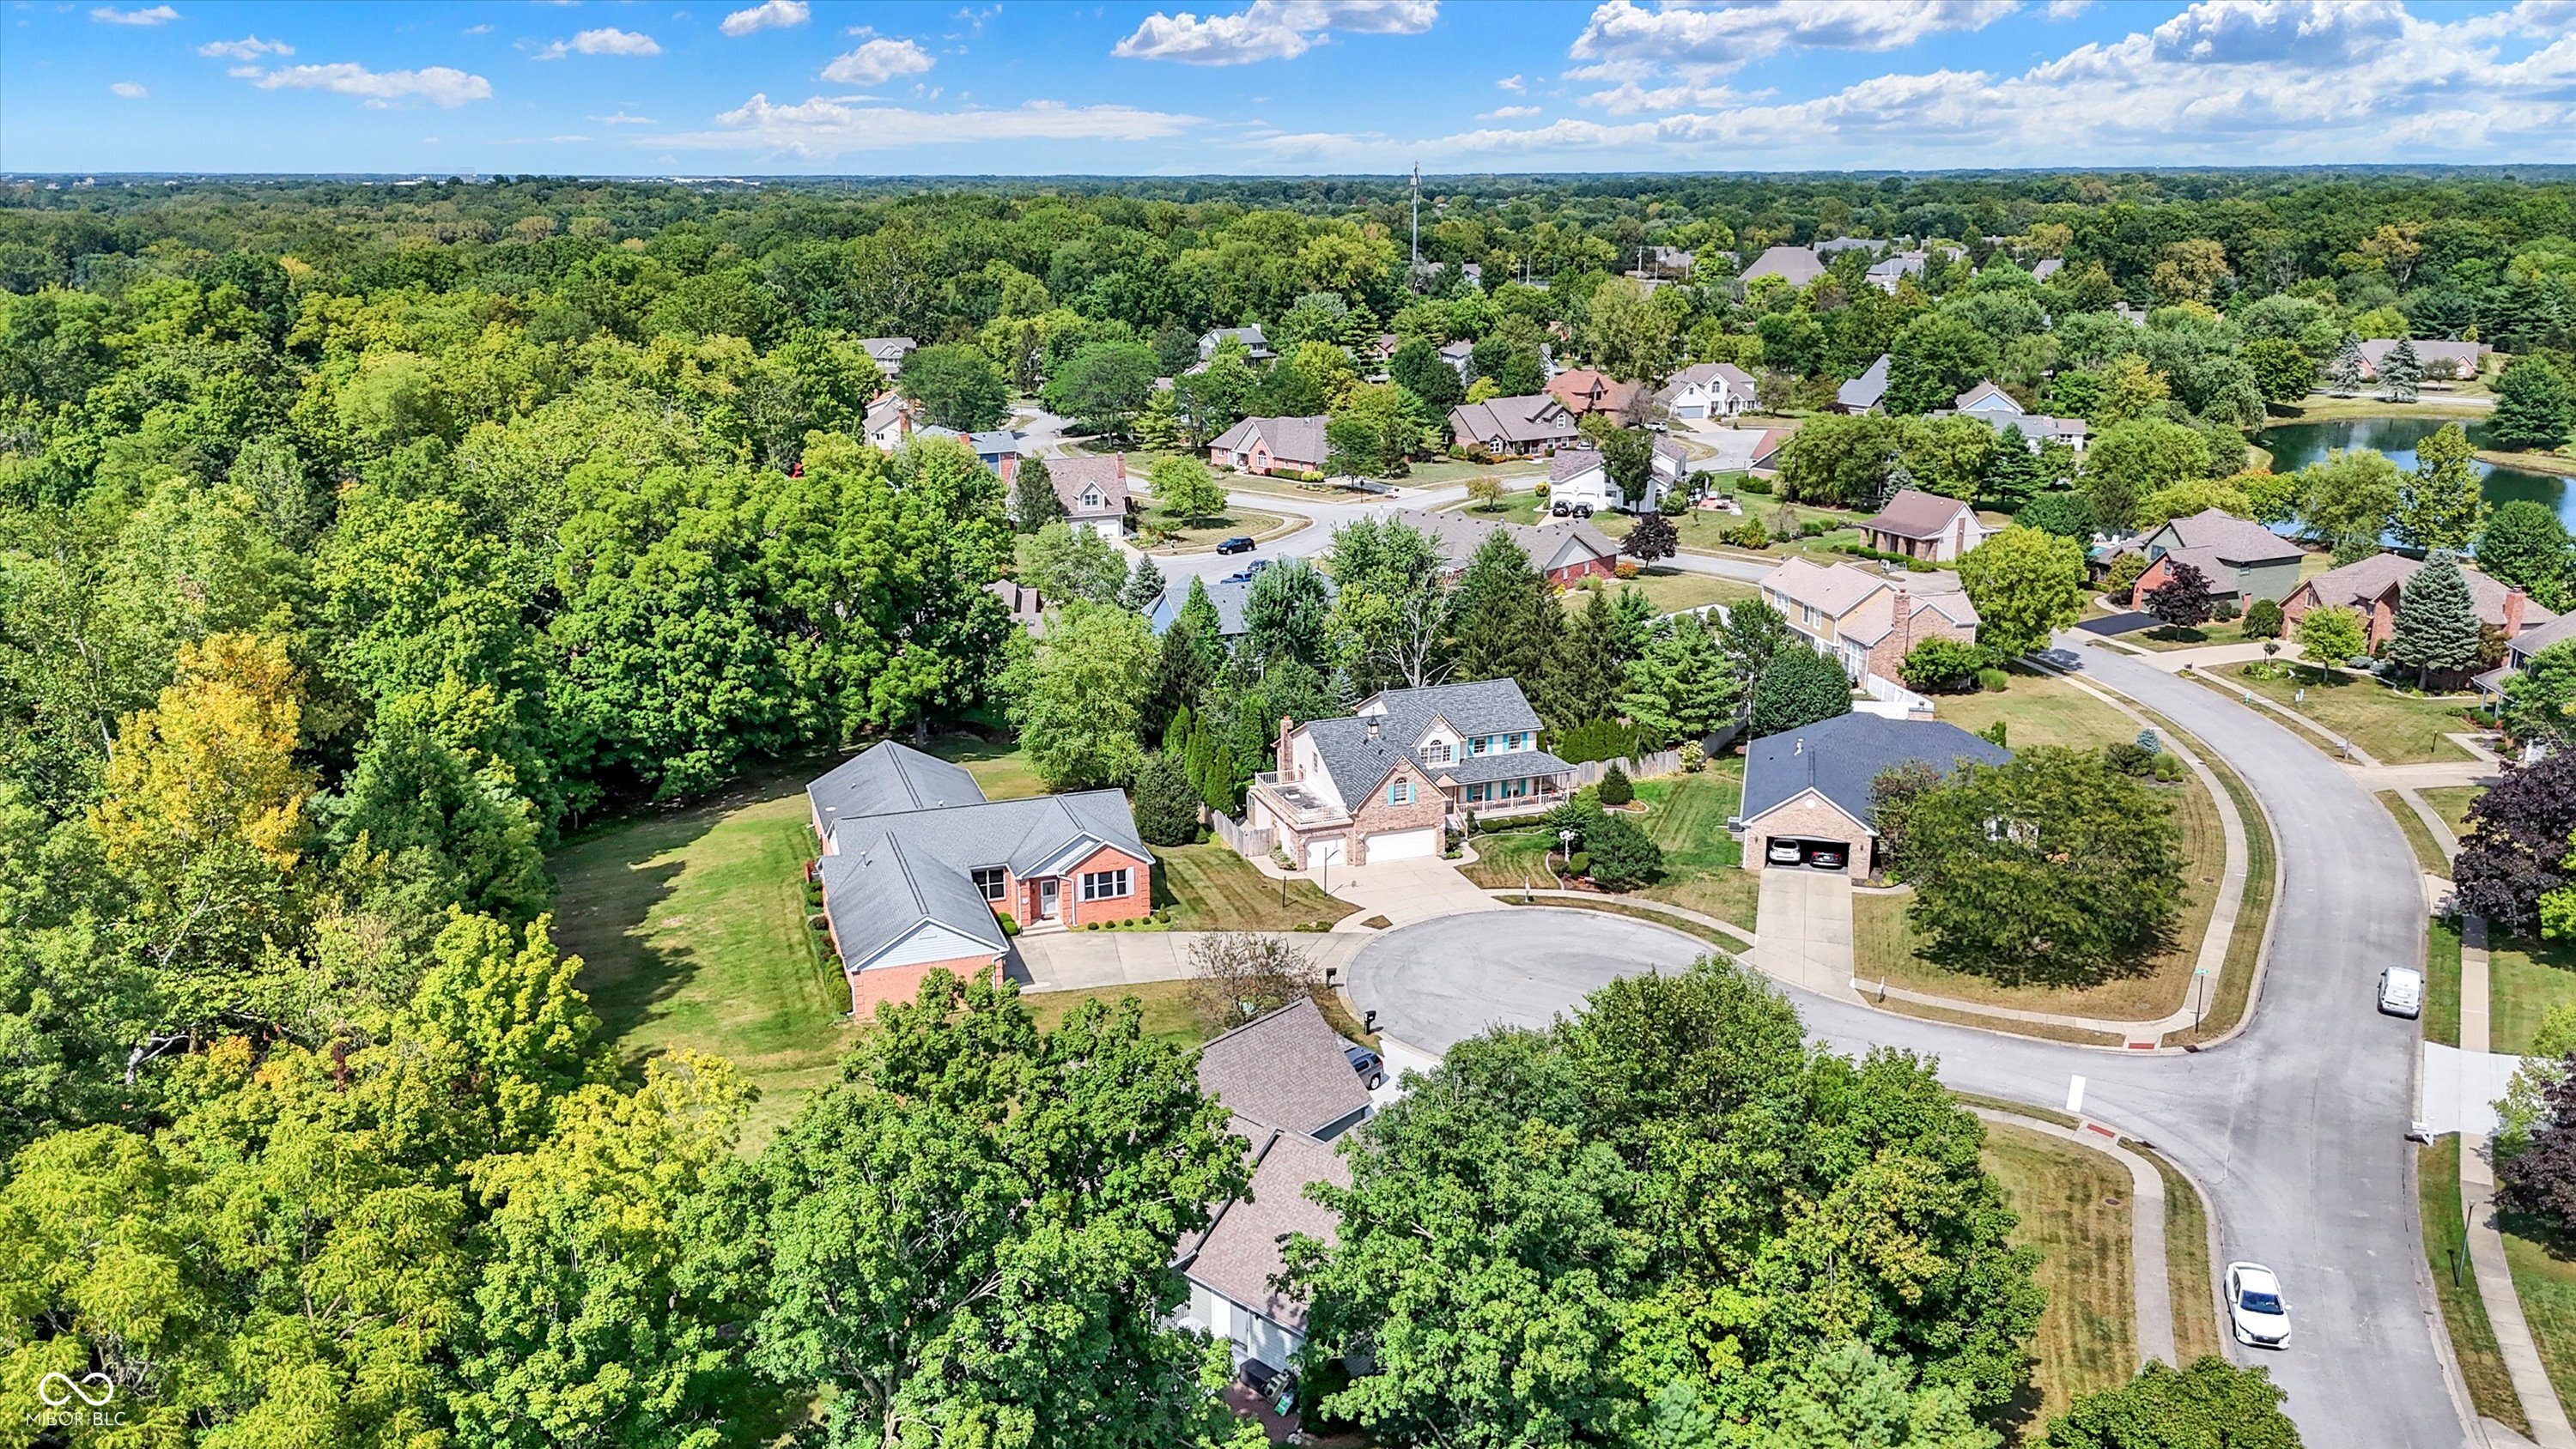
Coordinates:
(1904, 606)
(1287, 772)
(2513, 602)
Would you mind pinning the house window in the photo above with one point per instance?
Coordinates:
(1090, 500)
(1475, 794)
(1400, 793)
(1439, 752)
(990, 880)
(1104, 885)
(1481, 744)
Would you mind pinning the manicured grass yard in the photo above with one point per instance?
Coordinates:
(2451, 802)
(1166, 1003)
(1210, 888)
(1001, 769)
(691, 929)
(2428, 851)
(2190, 1278)
(1201, 535)
(1686, 815)
(2392, 728)
(2074, 1208)
(2042, 709)
(2464, 1313)
(2164, 638)
(2442, 984)
(1670, 590)
(2525, 978)
(2543, 1259)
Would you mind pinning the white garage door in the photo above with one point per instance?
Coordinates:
(1403, 845)
(1321, 853)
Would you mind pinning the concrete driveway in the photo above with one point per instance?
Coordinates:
(1437, 983)
(1403, 891)
(1806, 935)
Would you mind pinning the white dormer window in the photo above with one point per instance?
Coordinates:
(1090, 498)
(1439, 752)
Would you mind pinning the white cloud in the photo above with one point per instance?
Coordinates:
(1270, 29)
(1622, 38)
(438, 84)
(473, 30)
(157, 15)
(604, 41)
(249, 47)
(769, 15)
(824, 126)
(623, 119)
(878, 61)
(2067, 9)
(1507, 113)
(1512, 83)
(131, 90)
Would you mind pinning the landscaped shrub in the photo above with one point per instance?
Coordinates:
(2263, 619)
(1616, 790)
(1752, 484)
(1579, 866)
(1994, 679)
(1748, 534)
(2129, 760)
(2224, 611)
(1620, 856)
(1694, 759)
(1625, 568)
(1596, 739)
(1940, 666)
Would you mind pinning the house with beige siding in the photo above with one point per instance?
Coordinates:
(1383, 782)
(1866, 620)
(1925, 526)
(915, 864)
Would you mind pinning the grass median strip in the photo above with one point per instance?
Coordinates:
(2428, 851)
(2074, 1206)
(2464, 1313)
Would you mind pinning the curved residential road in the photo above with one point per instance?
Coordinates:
(2296, 1127)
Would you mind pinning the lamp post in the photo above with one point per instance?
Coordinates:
(1566, 838)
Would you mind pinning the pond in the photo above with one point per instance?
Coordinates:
(2296, 445)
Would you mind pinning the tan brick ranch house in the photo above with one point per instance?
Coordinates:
(1811, 786)
(1865, 620)
(1566, 550)
(1271, 445)
(1382, 783)
(2371, 587)
(1925, 526)
(915, 862)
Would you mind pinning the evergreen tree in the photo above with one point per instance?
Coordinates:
(2014, 475)
(2532, 409)
(1284, 613)
(1684, 685)
(2401, 372)
(2439, 505)
(1798, 688)
(2525, 545)
(2437, 620)
(1186, 661)
(1167, 808)
(1144, 585)
(1585, 677)
(1034, 503)
(2344, 373)
(1504, 617)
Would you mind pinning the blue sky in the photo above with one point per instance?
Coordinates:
(1276, 86)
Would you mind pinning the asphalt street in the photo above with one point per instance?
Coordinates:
(2295, 1128)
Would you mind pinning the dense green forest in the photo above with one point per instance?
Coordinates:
(357, 540)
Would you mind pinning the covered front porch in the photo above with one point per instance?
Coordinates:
(1507, 799)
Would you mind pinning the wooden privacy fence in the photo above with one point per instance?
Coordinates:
(1245, 840)
(1654, 762)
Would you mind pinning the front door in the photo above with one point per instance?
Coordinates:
(1047, 899)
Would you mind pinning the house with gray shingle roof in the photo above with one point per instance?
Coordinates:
(1513, 427)
(1566, 550)
(1811, 785)
(1795, 265)
(1578, 478)
(1383, 782)
(2241, 559)
(2373, 586)
(916, 864)
(1093, 491)
(1925, 526)
(1866, 392)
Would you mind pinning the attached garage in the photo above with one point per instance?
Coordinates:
(1321, 853)
(1404, 845)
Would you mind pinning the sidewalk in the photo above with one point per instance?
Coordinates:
(2549, 1426)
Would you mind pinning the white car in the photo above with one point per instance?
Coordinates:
(2254, 1306)
(1783, 852)
(2401, 991)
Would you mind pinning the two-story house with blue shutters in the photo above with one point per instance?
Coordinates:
(1382, 783)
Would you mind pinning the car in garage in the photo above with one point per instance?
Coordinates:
(2254, 1307)
(1784, 852)
(2401, 991)
(1828, 854)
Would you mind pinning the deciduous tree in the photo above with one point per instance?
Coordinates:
(2213, 1403)
(2440, 504)
(2184, 600)
(2026, 586)
(1798, 687)
(1077, 694)
(957, 387)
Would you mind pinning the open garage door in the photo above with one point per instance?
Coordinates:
(1404, 845)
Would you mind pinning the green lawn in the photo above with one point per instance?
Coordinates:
(2442, 984)
(1686, 815)
(2525, 978)
(2165, 638)
(1167, 1008)
(2235, 991)
(691, 929)
(2188, 1274)
(1671, 590)
(2451, 802)
(2039, 708)
(2543, 1258)
(2464, 1313)
(2074, 1208)
(2392, 728)
(1001, 768)
(2428, 851)
(1201, 535)
(1210, 888)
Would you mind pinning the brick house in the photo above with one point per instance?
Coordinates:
(1566, 550)
(1864, 620)
(1093, 491)
(2242, 560)
(1383, 782)
(1583, 390)
(1271, 445)
(2371, 586)
(1925, 526)
(1512, 427)
(1812, 785)
(916, 862)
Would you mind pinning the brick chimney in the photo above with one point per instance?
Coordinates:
(1904, 607)
(2514, 600)
(1287, 770)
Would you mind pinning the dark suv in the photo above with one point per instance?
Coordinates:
(1240, 543)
